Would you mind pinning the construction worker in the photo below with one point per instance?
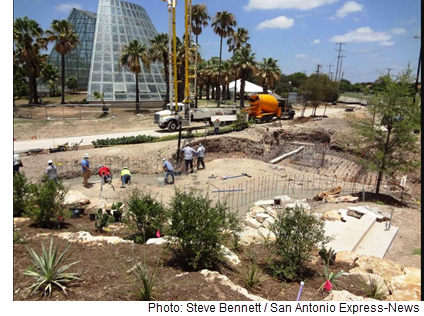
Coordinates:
(86, 172)
(201, 156)
(105, 174)
(216, 127)
(51, 171)
(188, 157)
(169, 171)
(125, 177)
(17, 163)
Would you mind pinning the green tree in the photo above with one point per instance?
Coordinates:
(317, 89)
(159, 50)
(20, 86)
(134, 55)
(345, 85)
(236, 41)
(244, 61)
(269, 73)
(223, 25)
(50, 76)
(199, 20)
(72, 83)
(29, 41)
(386, 135)
(63, 34)
(297, 79)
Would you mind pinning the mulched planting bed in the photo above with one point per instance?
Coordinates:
(104, 270)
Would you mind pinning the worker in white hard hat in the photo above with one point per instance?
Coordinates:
(17, 163)
(86, 172)
(169, 171)
(51, 171)
(125, 177)
(188, 157)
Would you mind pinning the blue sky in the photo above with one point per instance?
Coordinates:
(299, 33)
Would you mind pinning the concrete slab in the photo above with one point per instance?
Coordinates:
(264, 203)
(377, 241)
(348, 235)
(370, 211)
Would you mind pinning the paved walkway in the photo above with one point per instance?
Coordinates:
(24, 146)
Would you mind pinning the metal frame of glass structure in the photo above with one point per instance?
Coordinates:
(118, 23)
(78, 61)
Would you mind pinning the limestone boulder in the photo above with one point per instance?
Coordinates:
(271, 211)
(346, 257)
(348, 199)
(345, 296)
(75, 198)
(383, 267)
(266, 233)
(333, 216)
(250, 236)
(301, 204)
(264, 202)
(262, 217)
(268, 222)
(230, 256)
(252, 222)
(256, 210)
(406, 287)
(322, 195)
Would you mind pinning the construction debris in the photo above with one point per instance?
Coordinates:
(323, 195)
(285, 156)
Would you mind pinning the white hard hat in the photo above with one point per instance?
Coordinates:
(125, 167)
(16, 157)
(164, 159)
(50, 161)
(86, 156)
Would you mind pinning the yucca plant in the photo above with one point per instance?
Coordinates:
(252, 275)
(47, 270)
(145, 282)
(103, 220)
(373, 287)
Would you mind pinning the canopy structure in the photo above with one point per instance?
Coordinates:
(250, 87)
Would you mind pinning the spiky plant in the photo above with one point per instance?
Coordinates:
(103, 220)
(48, 271)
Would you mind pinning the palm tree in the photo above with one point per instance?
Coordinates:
(66, 40)
(159, 50)
(199, 20)
(269, 73)
(226, 78)
(133, 56)
(223, 26)
(29, 42)
(236, 41)
(244, 61)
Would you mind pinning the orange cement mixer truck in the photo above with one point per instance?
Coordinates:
(264, 107)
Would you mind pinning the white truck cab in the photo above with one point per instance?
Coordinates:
(168, 119)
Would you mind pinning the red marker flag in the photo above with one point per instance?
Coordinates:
(158, 234)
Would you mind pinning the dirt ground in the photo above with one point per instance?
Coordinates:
(104, 268)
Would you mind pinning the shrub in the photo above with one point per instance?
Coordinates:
(103, 220)
(45, 201)
(17, 239)
(144, 215)
(298, 235)
(20, 194)
(200, 228)
(48, 271)
(328, 256)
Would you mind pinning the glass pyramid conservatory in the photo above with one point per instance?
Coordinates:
(96, 62)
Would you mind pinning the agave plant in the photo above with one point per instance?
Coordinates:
(47, 270)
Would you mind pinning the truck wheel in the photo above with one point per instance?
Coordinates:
(172, 126)
(163, 127)
(268, 118)
(263, 120)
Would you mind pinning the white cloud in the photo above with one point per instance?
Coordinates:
(349, 7)
(301, 56)
(316, 42)
(67, 7)
(281, 22)
(362, 35)
(398, 31)
(387, 43)
(286, 4)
